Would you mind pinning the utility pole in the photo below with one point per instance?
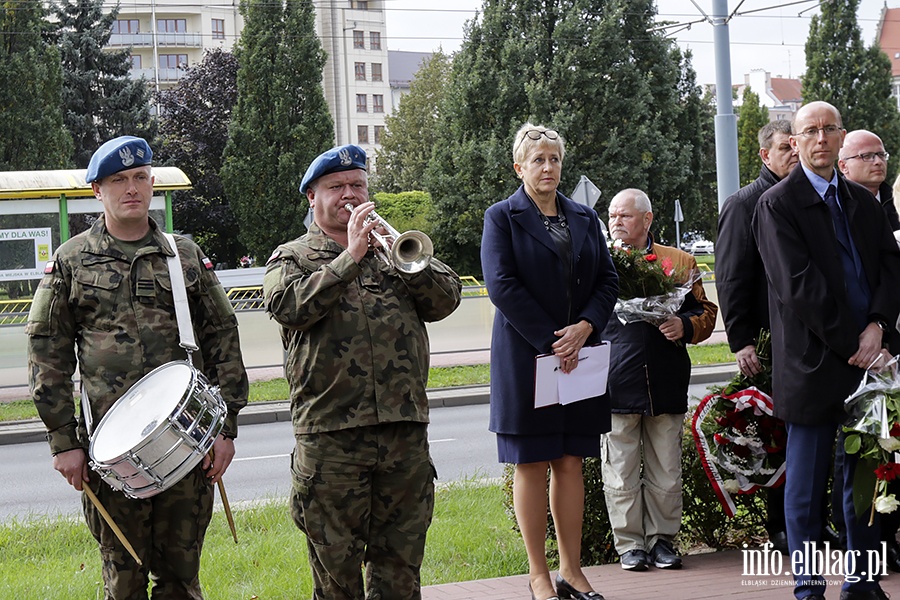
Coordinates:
(727, 170)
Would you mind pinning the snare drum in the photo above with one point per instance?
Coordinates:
(158, 430)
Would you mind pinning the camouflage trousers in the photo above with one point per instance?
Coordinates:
(364, 498)
(166, 532)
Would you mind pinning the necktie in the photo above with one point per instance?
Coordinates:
(857, 285)
(841, 229)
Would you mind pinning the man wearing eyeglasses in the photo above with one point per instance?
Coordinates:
(864, 161)
(834, 278)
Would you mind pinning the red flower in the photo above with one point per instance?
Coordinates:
(895, 430)
(888, 471)
(740, 423)
(667, 266)
(720, 439)
(650, 257)
(741, 451)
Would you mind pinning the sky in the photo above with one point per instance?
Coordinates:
(771, 39)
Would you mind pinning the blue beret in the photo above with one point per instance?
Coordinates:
(342, 158)
(118, 154)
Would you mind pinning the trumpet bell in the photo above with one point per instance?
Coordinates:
(411, 252)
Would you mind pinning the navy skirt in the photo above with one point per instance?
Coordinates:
(520, 449)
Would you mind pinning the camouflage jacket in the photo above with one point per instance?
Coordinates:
(120, 317)
(357, 347)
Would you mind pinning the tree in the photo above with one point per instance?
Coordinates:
(413, 130)
(100, 100)
(701, 214)
(193, 132)
(751, 119)
(280, 122)
(32, 135)
(855, 79)
(624, 99)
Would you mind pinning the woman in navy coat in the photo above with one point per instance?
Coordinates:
(550, 277)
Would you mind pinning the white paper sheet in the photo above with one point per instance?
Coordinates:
(552, 386)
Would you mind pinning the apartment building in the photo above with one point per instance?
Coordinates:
(888, 36)
(169, 36)
(355, 78)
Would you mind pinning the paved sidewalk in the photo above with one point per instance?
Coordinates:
(713, 575)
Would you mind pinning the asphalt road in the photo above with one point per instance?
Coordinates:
(461, 447)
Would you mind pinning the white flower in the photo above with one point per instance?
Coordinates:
(886, 504)
(747, 441)
(733, 487)
(891, 444)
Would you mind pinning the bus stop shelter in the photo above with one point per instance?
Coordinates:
(65, 192)
(38, 210)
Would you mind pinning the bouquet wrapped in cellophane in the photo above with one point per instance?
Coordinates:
(650, 288)
(872, 432)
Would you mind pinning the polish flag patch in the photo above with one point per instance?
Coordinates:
(208, 264)
(49, 267)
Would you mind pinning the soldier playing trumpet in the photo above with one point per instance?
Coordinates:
(353, 327)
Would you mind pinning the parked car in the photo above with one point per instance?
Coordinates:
(702, 247)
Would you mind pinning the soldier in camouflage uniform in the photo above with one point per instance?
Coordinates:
(357, 364)
(106, 300)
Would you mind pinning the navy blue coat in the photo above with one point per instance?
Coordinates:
(524, 276)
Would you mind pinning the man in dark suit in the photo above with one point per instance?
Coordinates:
(833, 269)
(741, 279)
(864, 160)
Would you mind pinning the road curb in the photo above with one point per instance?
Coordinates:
(32, 430)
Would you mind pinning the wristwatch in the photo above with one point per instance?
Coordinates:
(883, 326)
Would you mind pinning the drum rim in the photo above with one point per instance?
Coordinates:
(145, 439)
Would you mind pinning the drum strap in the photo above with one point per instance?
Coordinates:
(86, 411)
(179, 295)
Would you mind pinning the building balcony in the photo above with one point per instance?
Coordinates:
(145, 40)
(165, 75)
(367, 17)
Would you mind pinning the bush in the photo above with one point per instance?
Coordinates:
(703, 522)
(406, 210)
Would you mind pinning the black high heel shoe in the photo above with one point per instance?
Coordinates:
(565, 590)
(531, 591)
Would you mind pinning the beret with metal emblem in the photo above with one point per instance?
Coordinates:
(342, 158)
(118, 154)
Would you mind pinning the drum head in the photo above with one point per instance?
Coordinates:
(143, 408)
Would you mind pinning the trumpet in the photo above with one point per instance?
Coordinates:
(408, 252)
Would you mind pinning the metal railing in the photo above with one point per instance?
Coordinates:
(14, 312)
(246, 298)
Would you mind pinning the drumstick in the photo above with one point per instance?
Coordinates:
(228, 515)
(108, 518)
(227, 510)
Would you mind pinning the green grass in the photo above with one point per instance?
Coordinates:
(471, 538)
(439, 377)
(710, 354)
(17, 410)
